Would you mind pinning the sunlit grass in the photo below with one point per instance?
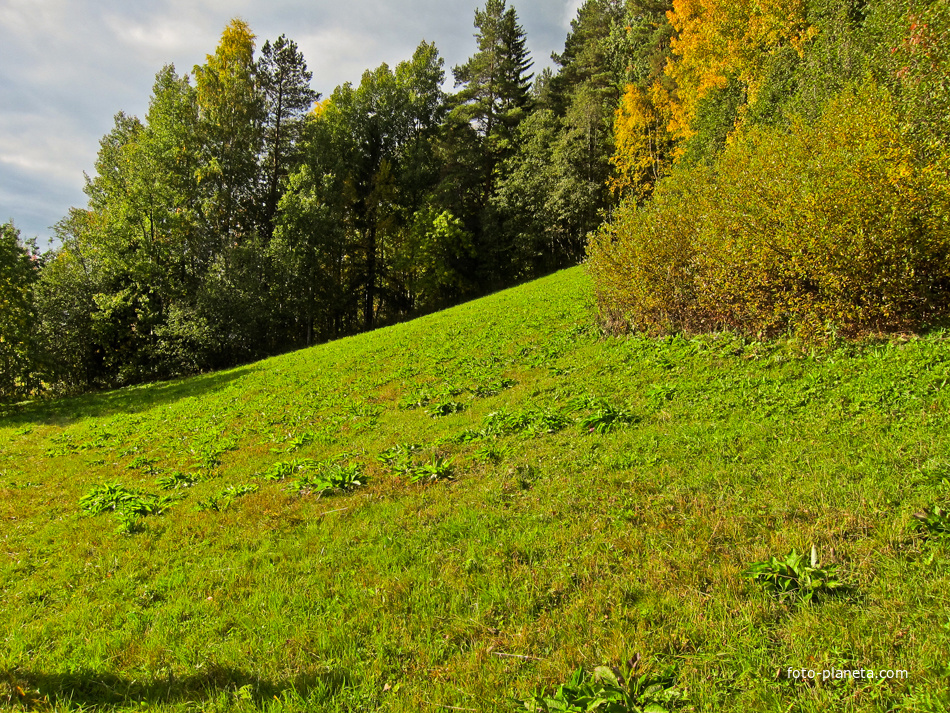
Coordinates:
(587, 499)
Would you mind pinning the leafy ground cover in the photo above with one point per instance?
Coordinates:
(491, 508)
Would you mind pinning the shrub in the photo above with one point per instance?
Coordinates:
(19, 269)
(824, 229)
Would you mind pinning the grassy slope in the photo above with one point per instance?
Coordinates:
(547, 551)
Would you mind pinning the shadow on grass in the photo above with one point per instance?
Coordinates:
(130, 399)
(94, 690)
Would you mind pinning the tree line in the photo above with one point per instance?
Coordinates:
(760, 166)
(244, 215)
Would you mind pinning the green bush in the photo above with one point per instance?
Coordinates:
(19, 268)
(823, 229)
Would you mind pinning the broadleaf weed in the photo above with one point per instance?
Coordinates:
(796, 577)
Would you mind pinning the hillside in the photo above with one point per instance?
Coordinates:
(525, 497)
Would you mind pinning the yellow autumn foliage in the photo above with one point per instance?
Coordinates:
(721, 40)
(833, 228)
(642, 144)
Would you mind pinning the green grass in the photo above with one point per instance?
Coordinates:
(584, 501)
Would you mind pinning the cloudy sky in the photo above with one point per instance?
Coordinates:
(67, 67)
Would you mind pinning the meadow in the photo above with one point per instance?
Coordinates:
(477, 509)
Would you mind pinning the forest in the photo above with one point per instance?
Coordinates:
(770, 167)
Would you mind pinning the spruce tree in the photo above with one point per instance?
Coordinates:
(285, 83)
(496, 83)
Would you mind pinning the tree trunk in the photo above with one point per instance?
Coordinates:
(369, 298)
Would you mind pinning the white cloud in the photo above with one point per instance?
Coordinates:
(160, 37)
(70, 65)
(570, 12)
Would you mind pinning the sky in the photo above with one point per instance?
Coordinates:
(68, 66)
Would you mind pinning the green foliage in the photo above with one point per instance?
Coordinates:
(445, 408)
(495, 81)
(129, 523)
(493, 388)
(605, 417)
(221, 501)
(177, 480)
(333, 477)
(434, 470)
(490, 452)
(231, 109)
(796, 577)
(286, 469)
(934, 521)
(18, 348)
(607, 691)
(284, 83)
(716, 118)
(399, 460)
(427, 264)
(530, 422)
(398, 453)
(370, 152)
(114, 497)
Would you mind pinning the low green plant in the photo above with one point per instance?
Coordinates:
(438, 469)
(660, 394)
(335, 476)
(238, 491)
(445, 408)
(490, 453)
(419, 399)
(606, 417)
(546, 421)
(493, 388)
(524, 476)
(143, 463)
(212, 503)
(606, 690)
(501, 423)
(222, 501)
(934, 521)
(531, 421)
(397, 453)
(796, 577)
(128, 504)
(114, 497)
(298, 442)
(286, 469)
(177, 480)
(129, 523)
(398, 459)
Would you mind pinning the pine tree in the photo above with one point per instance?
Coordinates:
(496, 84)
(285, 83)
(482, 133)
